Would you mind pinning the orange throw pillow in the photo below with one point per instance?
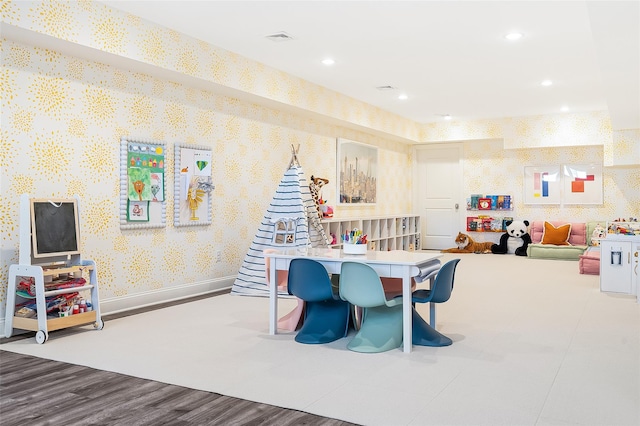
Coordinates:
(558, 236)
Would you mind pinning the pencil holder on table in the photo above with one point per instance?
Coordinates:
(354, 248)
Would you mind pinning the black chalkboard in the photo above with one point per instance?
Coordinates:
(54, 227)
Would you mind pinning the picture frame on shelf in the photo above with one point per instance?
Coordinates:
(357, 170)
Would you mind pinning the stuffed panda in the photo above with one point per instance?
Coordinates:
(517, 238)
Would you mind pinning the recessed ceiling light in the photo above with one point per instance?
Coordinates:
(546, 82)
(403, 96)
(564, 108)
(513, 36)
(328, 61)
(447, 117)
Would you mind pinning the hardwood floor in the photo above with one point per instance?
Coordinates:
(36, 391)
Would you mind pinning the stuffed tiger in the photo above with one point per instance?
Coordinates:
(466, 245)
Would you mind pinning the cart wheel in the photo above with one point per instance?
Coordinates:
(41, 337)
(98, 325)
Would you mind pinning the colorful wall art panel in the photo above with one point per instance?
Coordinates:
(542, 185)
(142, 171)
(193, 186)
(582, 184)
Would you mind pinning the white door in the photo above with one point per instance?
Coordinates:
(437, 187)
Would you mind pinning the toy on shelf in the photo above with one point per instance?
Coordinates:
(598, 233)
(334, 239)
(327, 210)
(315, 187)
(624, 227)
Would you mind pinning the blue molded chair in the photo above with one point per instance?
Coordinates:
(326, 316)
(381, 328)
(423, 333)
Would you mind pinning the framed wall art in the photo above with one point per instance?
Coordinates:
(357, 170)
(582, 184)
(142, 173)
(193, 185)
(542, 185)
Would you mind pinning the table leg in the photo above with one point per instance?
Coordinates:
(432, 307)
(407, 322)
(273, 298)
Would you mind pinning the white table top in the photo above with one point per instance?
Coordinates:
(393, 257)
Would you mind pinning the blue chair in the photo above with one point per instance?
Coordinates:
(381, 328)
(326, 316)
(423, 333)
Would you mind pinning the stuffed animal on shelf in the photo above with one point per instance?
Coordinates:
(598, 233)
(517, 236)
(466, 244)
(327, 210)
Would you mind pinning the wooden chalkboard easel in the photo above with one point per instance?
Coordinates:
(47, 267)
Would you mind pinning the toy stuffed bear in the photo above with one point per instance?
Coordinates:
(516, 233)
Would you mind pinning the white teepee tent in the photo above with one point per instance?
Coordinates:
(293, 207)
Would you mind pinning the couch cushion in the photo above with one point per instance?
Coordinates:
(550, 251)
(578, 236)
(589, 262)
(558, 236)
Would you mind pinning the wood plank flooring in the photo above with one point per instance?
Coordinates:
(36, 391)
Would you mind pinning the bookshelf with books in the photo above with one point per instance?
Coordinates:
(488, 218)
(487, 223)
(480, 202)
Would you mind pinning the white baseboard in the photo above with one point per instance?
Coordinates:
(129, 302)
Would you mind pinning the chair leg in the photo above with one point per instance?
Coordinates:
(324, 322)
(356, 317)
(426, 335)
(381, 330)
(292, 320)
(432, 315)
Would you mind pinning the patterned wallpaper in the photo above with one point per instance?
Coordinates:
(94, 25)
(621, 147)
(63, 116)
(62, 121)
(491, 169)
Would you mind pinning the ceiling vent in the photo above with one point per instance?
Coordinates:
(279, 36)
(386, 88)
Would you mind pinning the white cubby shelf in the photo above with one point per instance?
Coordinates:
(400, 232)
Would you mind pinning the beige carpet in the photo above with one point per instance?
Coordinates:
(535, 343)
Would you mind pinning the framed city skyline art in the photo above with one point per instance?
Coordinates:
(357, 170)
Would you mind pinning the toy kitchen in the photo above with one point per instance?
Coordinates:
(619, 264)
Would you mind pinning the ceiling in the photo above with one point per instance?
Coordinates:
(448, 57)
